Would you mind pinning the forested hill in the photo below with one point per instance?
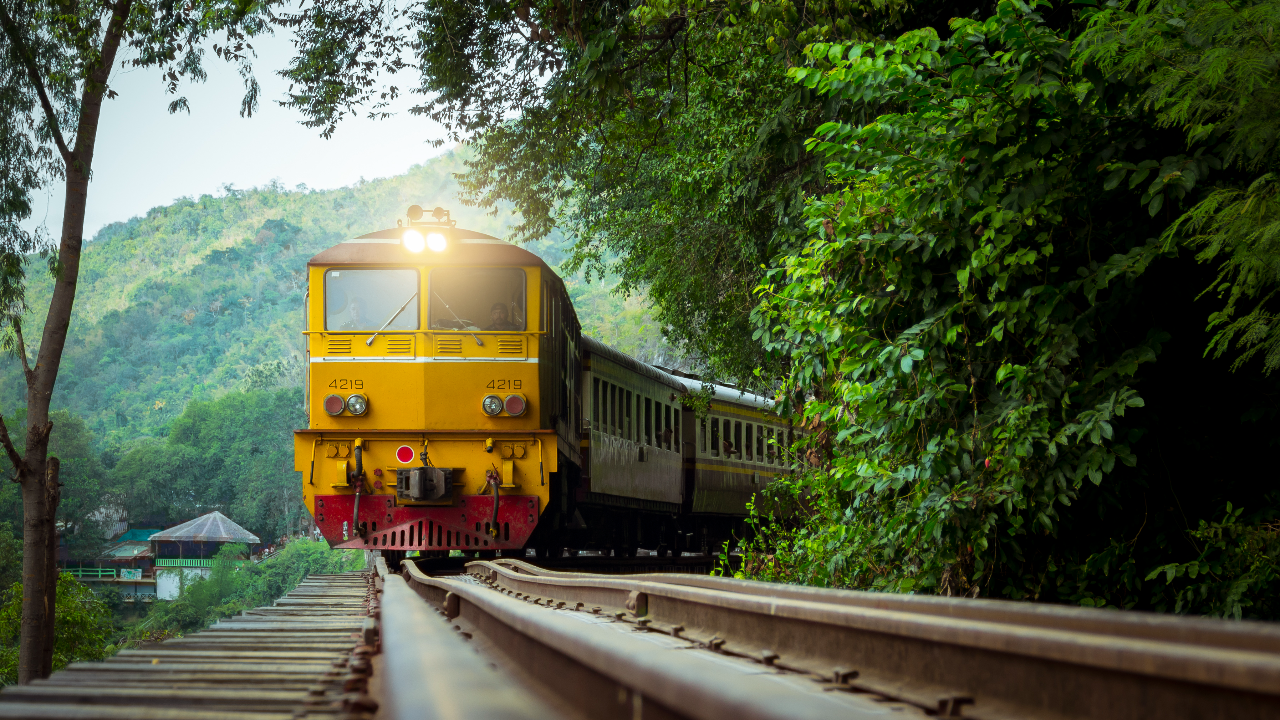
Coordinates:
(205, 296)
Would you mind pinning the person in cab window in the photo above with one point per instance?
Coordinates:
(499, 320)
(728, 449)
(355, 319)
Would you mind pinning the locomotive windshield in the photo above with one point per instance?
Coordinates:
(477, 299)
(364, 300)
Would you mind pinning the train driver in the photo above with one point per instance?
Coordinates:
(499, 320)
(356, 320)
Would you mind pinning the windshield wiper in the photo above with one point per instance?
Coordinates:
(391, 319)
(455, 317)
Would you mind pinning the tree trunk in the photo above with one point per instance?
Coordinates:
(53, 496)
(38, 475)
(38, 588)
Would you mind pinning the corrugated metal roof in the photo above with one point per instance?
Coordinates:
(213, 527)
(128, 550)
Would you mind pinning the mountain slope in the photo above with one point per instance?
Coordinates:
(205, 296)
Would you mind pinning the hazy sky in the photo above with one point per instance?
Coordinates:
(146, 157)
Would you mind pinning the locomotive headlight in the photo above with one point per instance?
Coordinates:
(357, 404)
(413, 240)
(333, 404)
(514, 405)
(436, 242)
(491, 405)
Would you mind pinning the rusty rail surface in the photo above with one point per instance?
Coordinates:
(303, 657)
(554, 662)
(693, 646)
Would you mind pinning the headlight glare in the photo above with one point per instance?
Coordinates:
(413, 240)
(357, 404)
(436, 242)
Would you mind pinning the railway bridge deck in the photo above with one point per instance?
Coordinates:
(507, 640)
(303, 657)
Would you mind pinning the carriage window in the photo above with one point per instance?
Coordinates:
(628, 432)
(611, 418)
(648, 421)
(759, 443)
(702, 434)
(770, 448)
(715, 437)
(666, 426)
(727, 429)
(737, 440)
(595, 402)
(477, 299)
(675, 429)
(750, 445)
(364, 300)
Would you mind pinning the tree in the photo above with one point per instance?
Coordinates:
(55, 65)
(662, 137)
(1210, 69)
(84, 622)
(988, 335)
(81, 475)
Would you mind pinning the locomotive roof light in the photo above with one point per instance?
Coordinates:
(514, 405)
(435, 241)
(357, 404)
(333, 404)
(491, 405)
(413, 241)
(439, 217)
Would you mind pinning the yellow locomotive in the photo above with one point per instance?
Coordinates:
(447, 388)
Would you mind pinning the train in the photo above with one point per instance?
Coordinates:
(454, 404)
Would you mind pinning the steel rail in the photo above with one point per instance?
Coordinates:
(594, 670)
(1246, 635)
(432, 673)
(994, 659)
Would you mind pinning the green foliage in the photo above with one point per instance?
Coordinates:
(1237, 570)
(10, 556)
(1209, 68)
(235, 585)
(82, 629)
(83, 484)
(967, 325)
(234, 454)
(946, 304)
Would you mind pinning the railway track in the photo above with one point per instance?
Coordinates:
(522, 641)
(304, 657)
(505, 639)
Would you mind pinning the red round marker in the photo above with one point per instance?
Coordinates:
(404, 454)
